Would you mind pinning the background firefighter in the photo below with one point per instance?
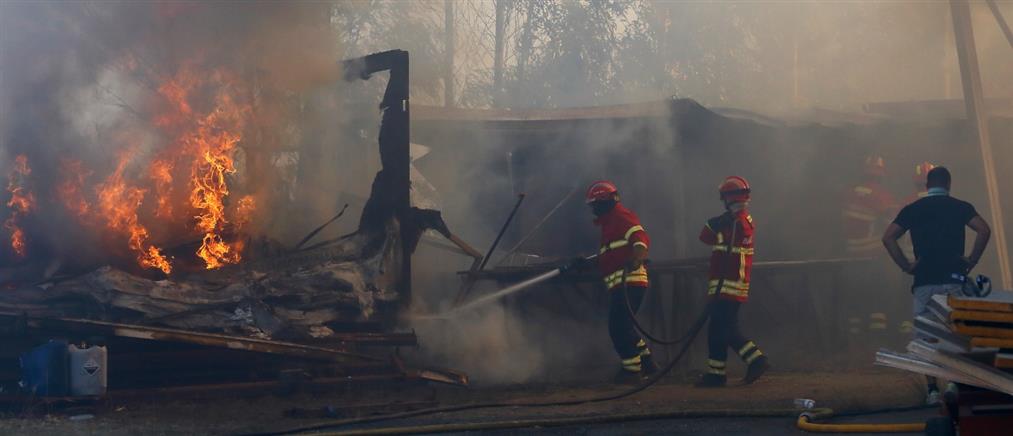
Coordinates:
(731, 236)
(868, 208)
(624, 245)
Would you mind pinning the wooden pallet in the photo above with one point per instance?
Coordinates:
(981, 315)
(984, 329)
(997, 302)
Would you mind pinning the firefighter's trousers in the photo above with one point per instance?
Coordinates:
(630, 346)
(724, 333)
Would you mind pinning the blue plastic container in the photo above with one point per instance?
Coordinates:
(44, 370)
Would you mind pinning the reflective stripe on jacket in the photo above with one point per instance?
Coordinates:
(620, 232)
(731, 239)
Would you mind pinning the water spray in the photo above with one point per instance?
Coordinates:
(509, 290)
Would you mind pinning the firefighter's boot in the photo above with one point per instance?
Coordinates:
(630, 372)
(712, 381)
(715, 377)
(756, 369)
(757, 361)
(647, 365)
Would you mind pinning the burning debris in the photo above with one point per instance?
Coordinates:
(21, 203)
(171, 224)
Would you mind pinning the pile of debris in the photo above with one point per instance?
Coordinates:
(308, 317)
(965, 339)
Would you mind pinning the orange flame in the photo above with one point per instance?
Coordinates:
(211, 139)
(70, 189)
(161, 175)
(118, 203)
(244, 211)
(21, 203)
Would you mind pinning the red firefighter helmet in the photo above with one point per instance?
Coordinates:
(601, 190)
(734, 189)
(922, 172)
(875, 166)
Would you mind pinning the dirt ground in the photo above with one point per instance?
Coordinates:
(860, 390)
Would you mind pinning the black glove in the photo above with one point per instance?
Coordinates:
(575, 265)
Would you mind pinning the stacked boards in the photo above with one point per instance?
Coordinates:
(963, 339)
(988, 322)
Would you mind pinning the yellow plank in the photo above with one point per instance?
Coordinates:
(981, 315)
(987, 332)
(992, 342)
(997, 303)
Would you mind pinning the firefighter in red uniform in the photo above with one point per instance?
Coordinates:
(624, 245)
(920, 178)
(866, 211)
(730, 236)
(868, 208)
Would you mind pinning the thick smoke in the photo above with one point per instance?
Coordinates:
(812, 65)
(80, 82)
(87, 85)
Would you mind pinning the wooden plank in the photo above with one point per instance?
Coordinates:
(1004, 360)
(981, 315)
(992, 342)
(962, 364)
(912, 363)
(985, 331)
(208, 339)
(933, 328)
(248, 389)
(939, 307)
(997, 302)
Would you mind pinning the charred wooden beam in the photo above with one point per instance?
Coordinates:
(391, 191)
(83, 326)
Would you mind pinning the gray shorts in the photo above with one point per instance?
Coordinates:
(923, 294)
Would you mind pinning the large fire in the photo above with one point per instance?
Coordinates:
(186, 184)
(21, 203)
(118, 204)
(208, 140)
(69, 190)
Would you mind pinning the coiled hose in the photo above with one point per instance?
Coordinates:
(648, 382)
(804, 421)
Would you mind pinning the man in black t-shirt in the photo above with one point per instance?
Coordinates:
(936, 223)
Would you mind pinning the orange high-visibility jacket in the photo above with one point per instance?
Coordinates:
(620, 232)
(730, 236)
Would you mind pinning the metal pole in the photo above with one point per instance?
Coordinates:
(448, 49)
(537, 226)
(978, 117)
(502, 230)
(1002, 21)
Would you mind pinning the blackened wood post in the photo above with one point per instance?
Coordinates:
(391, 192)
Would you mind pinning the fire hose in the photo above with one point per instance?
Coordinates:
(650, 416)
(804, 421)
(648, 382)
